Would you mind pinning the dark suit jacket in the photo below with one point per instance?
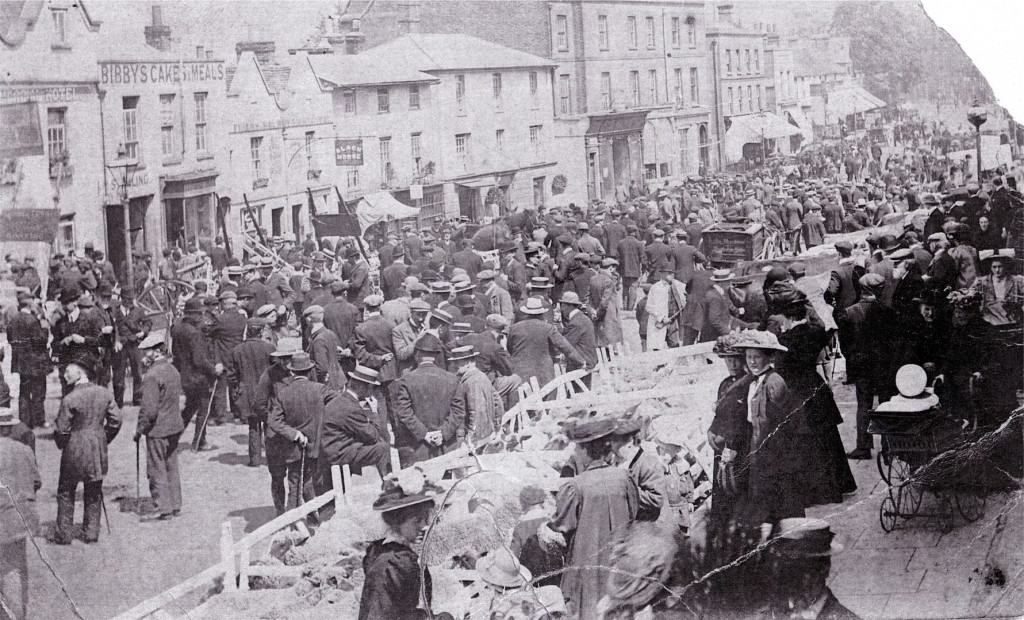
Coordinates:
(323, 349)
(684, 258)
(470, 261)
(843, 287)
(658, 255)
(372, 341)
(359, 283)
(867, 333)
(630, 253)
(492, 359)
(346, 428)
(227, 333)
(718, 319)
(245, 366)
(160, 413)
(391, 278)
(341, 318)
(298, 406)
(532, 343)
(579, 332)
(28, 345)
(192, 355)
(425, 399)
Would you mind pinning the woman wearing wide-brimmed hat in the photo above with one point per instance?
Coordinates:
(729, 426)
(391, 590)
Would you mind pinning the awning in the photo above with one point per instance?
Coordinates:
(190, 184)
(796, 117)
(621, 123)
(751, 129)
(373, 208)
(851, 100)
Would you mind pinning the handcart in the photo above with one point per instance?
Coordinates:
(914, 431)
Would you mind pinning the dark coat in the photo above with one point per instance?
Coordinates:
(867, 334)
(192, 355)
(359, 283)
(685, 257)
(658, 255)
(579, 332)
(87, 421)
(227, 333)
(424, 403)
(299, 407)
(718, 319)
(28, 340)
(88, 325)
(470, 261)
(341, 317)
(391, 279)
(630, 252)
(248, 361)
(614, 232)
(323, 349)
(160, 413)
(391, 589)
(492, 359)
(843, 288)
(371, 342)
(347, 427)
(532, 343)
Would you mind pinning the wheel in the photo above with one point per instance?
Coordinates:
(899, 471)
(970, 506)
(883, 461)
(887, 514)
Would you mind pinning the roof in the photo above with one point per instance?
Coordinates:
(451, 52)
(17, 16)
(362, 70)
(275, 77)
(810, 62)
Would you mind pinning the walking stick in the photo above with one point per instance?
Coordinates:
(103, 505)
(302, 477)
(201, 425)
(138, 478)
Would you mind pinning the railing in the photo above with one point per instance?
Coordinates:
(234, 568)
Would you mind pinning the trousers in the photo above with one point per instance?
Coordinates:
(197, 399)
(14, 579)
(67, 486)
(118, 367)
(162, 471)
(309, 473)
(256, 430)
(865, 401)
(31, 398)
(628, 293)
(278, 473)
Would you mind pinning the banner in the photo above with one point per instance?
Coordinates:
(348, 152)
(20, 134)
(336, 225)
(29, 224)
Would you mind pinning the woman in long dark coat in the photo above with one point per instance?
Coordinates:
(828, 474)
(729, 426)
(391, 590)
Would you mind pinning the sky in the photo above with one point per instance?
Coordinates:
(989, 32)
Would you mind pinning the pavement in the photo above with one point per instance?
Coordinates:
(920, 570)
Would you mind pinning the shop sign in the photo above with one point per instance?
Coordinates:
(348, 152)
(19, 130)
(168, 72)
(44, 93)
(29, 224)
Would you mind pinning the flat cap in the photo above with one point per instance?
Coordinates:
(314, 309)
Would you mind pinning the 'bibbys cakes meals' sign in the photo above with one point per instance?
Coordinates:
(169, 72)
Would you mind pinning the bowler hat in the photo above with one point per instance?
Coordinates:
(462, 353)
(300, 362)
(571, 298)
(194, 306)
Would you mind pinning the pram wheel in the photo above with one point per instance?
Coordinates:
(971, 506)
(888, 512)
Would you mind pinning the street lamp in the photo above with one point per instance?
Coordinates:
(977, 116)
(124, 163)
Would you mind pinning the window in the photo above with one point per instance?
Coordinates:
(750, 98)
(694, 87)
(352, 178)
(606, 90)
(383, 100)
(499, 140)
(650, 33)
(631, 29)
(310, 139)
(748, 62)
(731, 101)
(538, 191)
(167, 125)
(200, 101)
(728, 62)
(602, 32)
(533, 83)
(535, 137)
(691, 32)
(56, 136)
(652, 86)
(60, 25)
(256, 154)
(758, 97)
(130, 117)
(562, 32)
(387, 172)
(348, 98)
(739, 95)
(676, 34)
(414, 97)
(496, 86)
(462, 146)
(757, 61)
(679, 87)
(634, 84)
(460, 91)
(684, 147)
(564, 102)
(416, 148)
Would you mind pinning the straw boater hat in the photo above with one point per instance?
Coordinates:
(540, 282)
(287, 347)
(722, 275)
(1002, 254)
(533, 305)
(366, 375)
(154, 339)
(753, 339)
(462, 353)
(800, 537)
(8, 417)
(500, 568)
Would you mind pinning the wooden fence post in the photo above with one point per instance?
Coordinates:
(346, 480)
(227, 556)
(243, 569)
(339, 487)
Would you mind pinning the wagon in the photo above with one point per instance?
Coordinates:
(727, 243)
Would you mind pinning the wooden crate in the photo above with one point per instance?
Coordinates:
(726, 244)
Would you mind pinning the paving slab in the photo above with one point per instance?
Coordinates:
(867, 606)
(876, 581)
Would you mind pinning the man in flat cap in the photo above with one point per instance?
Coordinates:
(28, 336)
(198, 370)
(323, 349)
(160, 423)
(393, 274)
(359, 277)
(371, 346)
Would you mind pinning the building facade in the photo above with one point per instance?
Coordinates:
(164, 143)
(48, 52)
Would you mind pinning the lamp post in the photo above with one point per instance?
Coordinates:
(977, 116)
(124, 163)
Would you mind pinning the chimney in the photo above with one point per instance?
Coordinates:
(263, 50)
(725, 12)
(200, 54)
(409, 17)
(209, 54)
(157, 34)
(347, 38)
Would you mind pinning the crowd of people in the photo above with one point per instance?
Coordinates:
(337, 358)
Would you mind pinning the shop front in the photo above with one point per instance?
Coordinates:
(614, 144)
(190, 210)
